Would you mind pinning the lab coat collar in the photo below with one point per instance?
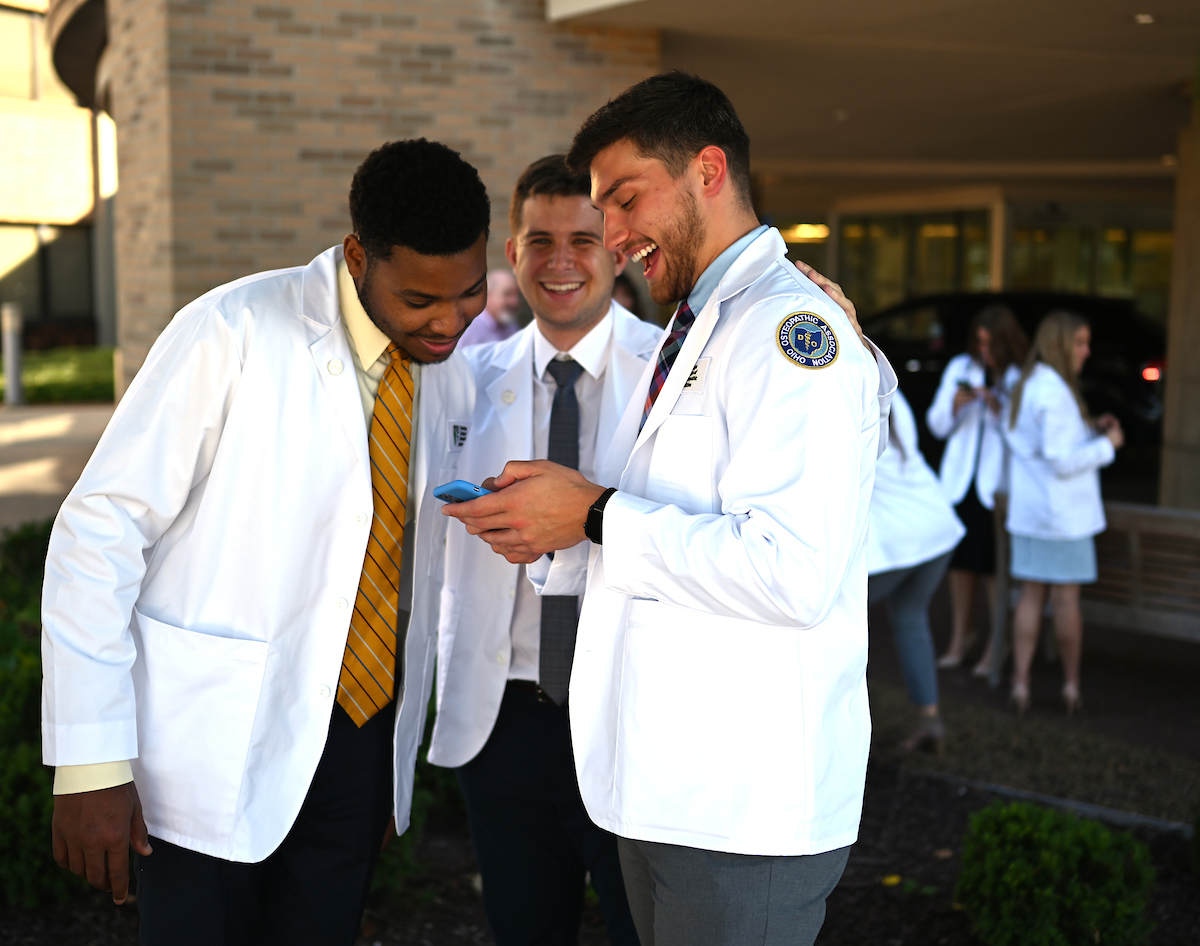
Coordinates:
(764, 251)
(589, 351)
(367, 338)
(508, 386)
(319, 306)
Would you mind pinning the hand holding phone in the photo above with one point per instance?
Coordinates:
(459, 491)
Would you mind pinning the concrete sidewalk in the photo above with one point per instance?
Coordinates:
(43, 449)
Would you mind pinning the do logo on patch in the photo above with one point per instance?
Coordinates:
(807, 340)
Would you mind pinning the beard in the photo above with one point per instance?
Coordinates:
(679, 246)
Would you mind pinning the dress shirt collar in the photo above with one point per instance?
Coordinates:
(589, 351)
(711, 277)
(368, 340)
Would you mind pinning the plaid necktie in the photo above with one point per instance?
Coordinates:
(368, 680)
(560, 613)
(667, 355)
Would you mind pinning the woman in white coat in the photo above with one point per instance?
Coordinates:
(1055, 508)
(912, 537)
(966, 414)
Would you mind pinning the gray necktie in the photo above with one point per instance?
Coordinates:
(560, 613)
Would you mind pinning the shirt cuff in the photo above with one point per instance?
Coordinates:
(73, 779)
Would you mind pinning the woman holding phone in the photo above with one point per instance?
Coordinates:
(966, 414)
(1055, 510)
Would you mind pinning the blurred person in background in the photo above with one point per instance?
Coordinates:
(913, 534)
(1055, 509)
(966, 413)
(498, 320)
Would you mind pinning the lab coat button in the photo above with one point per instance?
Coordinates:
(508, 397)
(499, 658)
(334, 366)
(512, 592)
(323, 692)
(341, 604)
(360, 518)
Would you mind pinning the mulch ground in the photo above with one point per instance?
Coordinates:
(1135, 748)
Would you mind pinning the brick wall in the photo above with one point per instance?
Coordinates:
(240, 124)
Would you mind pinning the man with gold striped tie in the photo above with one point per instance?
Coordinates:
(242, 589)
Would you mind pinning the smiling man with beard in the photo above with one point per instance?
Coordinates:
(718, 698)
(232, 682)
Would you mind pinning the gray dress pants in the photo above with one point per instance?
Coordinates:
(685, 896)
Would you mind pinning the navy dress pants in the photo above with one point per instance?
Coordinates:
(532, 837)
(311, 890)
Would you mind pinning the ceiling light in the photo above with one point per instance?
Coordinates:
(1143, 19)
(805, 233)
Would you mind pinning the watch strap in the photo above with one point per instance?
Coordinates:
(593, 528)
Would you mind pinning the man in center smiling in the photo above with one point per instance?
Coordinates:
(719, 715)
(556, 389)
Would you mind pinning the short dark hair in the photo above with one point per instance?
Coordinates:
(671, 117)
(417, 194)
(550, 176)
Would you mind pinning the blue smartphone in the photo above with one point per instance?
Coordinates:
(459, 491)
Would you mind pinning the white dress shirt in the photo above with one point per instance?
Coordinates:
(590, 352)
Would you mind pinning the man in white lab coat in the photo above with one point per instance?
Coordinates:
(719, 708)
(230, 679)
(504, 654)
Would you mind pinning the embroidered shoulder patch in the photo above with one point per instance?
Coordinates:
(808, 340)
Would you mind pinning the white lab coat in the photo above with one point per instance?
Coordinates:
(202, 572)
(911, 519)
(1056, 461)
(974, 442)
(474, 639)
(718, 695)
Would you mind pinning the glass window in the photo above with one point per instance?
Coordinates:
(20, 274)
(47, 271)
(976, 252)
(1150, 271)
(67, 257)
(887, 259)
(1056, 259)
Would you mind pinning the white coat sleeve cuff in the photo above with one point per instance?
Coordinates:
(566, 574)
(73, 779)
(623, 521)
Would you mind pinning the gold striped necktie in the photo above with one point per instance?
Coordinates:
(368, 680)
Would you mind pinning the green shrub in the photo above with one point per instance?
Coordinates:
(22, 564)
(436, 798)
(1033, 876)
(28, 875)
(59, 375)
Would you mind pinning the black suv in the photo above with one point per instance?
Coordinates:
(1124, 375)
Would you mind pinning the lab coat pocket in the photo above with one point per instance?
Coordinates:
(681, 467)
(197, 696)
(675, 673)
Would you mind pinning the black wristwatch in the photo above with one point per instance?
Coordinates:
(593, 528)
